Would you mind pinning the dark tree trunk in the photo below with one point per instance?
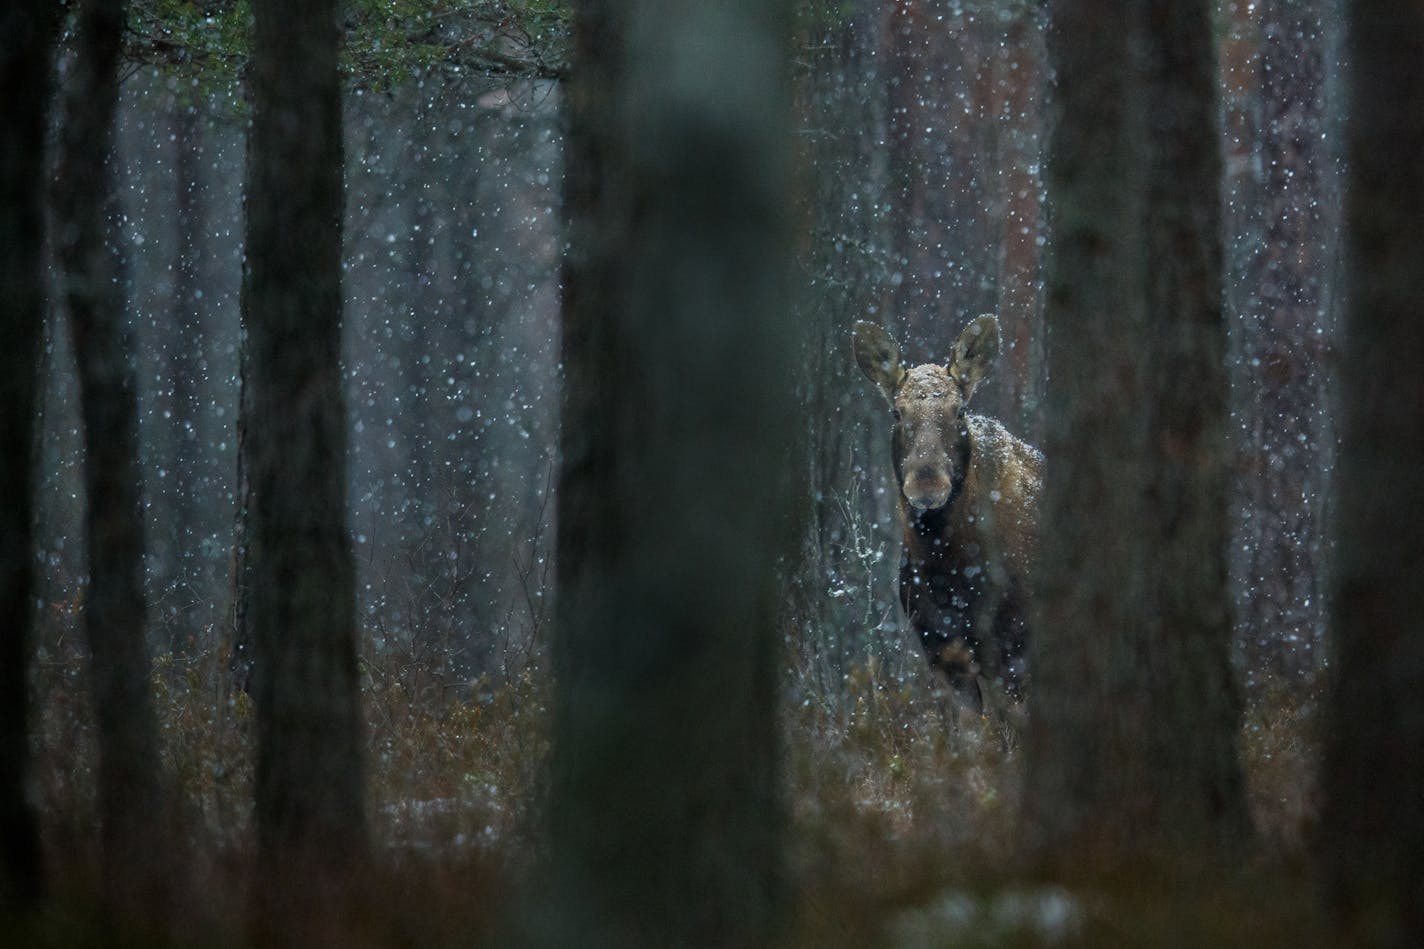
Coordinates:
(239, 593)
(115, 609)
(1134, 721)
(665, 825)
(1374, 772)
(1194, 709)
(1018, 90)
(1287, 457)
(1094, 440)
(187, 563)
(28, 29)
(241, 659)
(938, 72)
(310, 777)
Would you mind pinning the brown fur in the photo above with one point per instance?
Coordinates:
(968, 498)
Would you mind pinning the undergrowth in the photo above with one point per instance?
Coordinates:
(902, 808)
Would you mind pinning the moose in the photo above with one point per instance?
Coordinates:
(968, 498)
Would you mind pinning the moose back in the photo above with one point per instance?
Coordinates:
(968, 495)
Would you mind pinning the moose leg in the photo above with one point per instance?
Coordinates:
(941, 613)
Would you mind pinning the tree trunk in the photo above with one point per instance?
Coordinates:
(187, 566)
(310, 776)
(1194, 708)
(115, 609)
(938, 69)
(239, 591)
(1081, 744)
(25, 74)
(1286, 458)
(1018, 90)
(665, 825)
(1131, 744)
(1373, 822)
(840, 194)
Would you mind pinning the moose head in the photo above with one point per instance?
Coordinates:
(930, 437)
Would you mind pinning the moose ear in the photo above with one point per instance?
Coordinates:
(878, 357)
(975, 354)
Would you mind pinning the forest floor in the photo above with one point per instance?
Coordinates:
(903, 819)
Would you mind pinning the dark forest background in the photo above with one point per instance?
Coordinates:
(497, 543)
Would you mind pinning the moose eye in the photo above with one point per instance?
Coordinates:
(895, 414)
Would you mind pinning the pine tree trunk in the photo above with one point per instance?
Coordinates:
(1017, 88)
(1287, 459)
(1084, 737)
(28, 27)
(1199, 793)
(187, 567)
(665, 825)
(310, 777)
(839, 106)
(1134, 718)
(241, 660)
(1373, 822)
(115, 609)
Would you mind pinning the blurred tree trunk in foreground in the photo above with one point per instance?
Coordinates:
(92, 282)
(27, 30)
(1194, 698)
(664, 816)
(1132, 739)
(310, 777)
(1374, 771)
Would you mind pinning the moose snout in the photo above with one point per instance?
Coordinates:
(926, 487)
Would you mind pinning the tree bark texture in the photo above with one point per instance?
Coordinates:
(239, 591)
(1373, 821)
(186, 565)
(842, 175)
(1018, 90)
(310, 775)
(664, 811)
(933, 187)
(28, 28)
(1131, 742)
(1195, 700)
(92, 284)
(944, 196)
(1286, 457)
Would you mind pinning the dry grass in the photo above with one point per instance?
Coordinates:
(903, 814)
(1281, 743)
(896, 795)
(906, 837)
